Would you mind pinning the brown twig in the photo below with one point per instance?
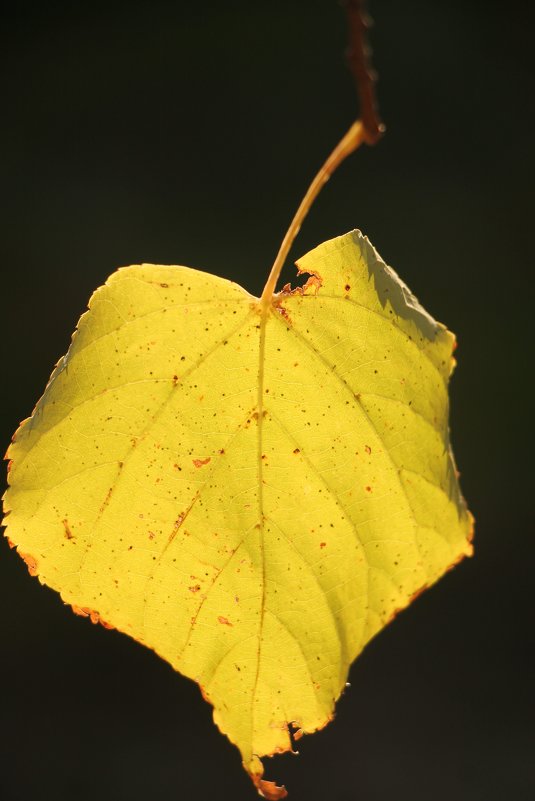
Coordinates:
(358, 57)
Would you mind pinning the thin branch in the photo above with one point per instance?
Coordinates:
(358, 56)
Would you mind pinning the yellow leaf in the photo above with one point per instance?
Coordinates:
(251, 490)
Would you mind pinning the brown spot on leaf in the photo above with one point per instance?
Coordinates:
(85, 611)
(107, 498)
(195, 588)
(204, 692)
(68, 533)
(314, 282)
(178, 522)
(368, 489)
(31, 563)
(283, 313)
(267, 789)
(224, 621)
(323, 544)
(201, 462)
(418, 592)
(80, 610)
(470, 535)
(367, 449)
(296, 450)
(395, 612)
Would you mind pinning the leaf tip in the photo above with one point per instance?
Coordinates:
(268, 789)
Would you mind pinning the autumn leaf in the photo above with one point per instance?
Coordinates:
(252, 490)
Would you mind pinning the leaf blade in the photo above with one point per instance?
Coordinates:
(151, 487)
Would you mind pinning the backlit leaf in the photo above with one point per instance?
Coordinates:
(253, 492)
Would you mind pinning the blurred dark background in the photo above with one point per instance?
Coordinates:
(187, 133)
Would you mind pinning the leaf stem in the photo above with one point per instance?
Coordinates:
(368, 128)
(354, 137)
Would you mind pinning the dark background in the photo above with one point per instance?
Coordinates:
(187, 133)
